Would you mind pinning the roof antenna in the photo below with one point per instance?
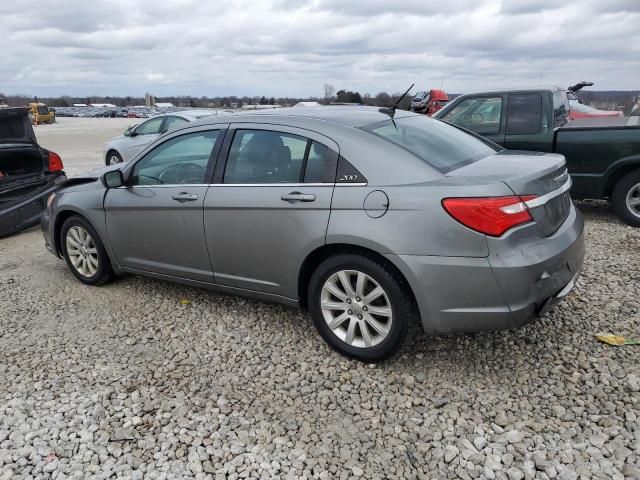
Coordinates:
(392, 111)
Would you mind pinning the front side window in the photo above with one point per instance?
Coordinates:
(150, 127)
(180, 160)
(480, 114)
(260, 156)
(442, 146)
(524, 114)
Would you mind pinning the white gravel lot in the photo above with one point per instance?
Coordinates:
(126, 381)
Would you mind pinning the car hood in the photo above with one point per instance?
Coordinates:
(119, 137)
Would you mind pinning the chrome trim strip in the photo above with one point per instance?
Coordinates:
(168, 185)
(271, 185)
(539, 201)
(301, 185)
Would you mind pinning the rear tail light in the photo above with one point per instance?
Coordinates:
(55, 162)
(490, 215)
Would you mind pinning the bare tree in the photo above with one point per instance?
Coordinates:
(329, 91)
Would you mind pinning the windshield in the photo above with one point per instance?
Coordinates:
(442, 146)
(419, 96)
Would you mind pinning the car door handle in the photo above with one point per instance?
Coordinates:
(185, 197)
(298, 197)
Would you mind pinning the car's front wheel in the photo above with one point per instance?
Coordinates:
(360, 306)
(626, 198)
(83, 251)
(113, 158)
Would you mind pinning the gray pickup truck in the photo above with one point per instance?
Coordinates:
(28, 172)
(603, 155)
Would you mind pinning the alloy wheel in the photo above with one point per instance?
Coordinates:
(82, 251)
(114, 159)
(633, 200)
(356, 308)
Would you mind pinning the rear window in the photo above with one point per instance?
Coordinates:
(12, 127)
(442, 146)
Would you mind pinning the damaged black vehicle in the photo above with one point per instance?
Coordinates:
(28, 172)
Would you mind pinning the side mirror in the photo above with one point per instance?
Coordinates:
(113, 179)
(130, 131)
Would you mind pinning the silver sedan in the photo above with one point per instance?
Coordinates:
(370, 219)
(124, 147)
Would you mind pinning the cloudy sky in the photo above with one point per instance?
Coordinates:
(293, 47)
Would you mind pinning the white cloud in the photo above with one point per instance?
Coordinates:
(293, 47)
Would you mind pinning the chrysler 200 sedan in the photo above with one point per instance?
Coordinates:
(370, 221)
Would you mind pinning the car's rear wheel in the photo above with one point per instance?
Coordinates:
(360, 306)
(113, 158)
(626, 198)
(84, 253)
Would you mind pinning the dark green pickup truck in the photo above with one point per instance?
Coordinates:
(603, 155)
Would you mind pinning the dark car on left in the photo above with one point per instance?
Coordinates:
(28, 172)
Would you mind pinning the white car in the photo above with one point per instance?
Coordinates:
(124, 147)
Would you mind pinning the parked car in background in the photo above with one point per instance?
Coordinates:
(124, 147)
(429, 102)
(603, 155)
(580, 110)
(40, 113)
(371, 220)
(28, 172)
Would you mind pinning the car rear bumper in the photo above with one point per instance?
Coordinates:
(25, 211)
(519, 281)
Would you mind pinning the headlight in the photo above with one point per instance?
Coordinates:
(51, 199)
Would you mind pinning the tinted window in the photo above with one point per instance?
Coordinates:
(481, 114)
(150, 127)
(442, 146)
(524, 114)
(173, 122)
(321, 164)
(259, 156)
(181, 160)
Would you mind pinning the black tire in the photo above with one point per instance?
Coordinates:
(629, 183)
(113, 158)
(397, 294)
(103, 271)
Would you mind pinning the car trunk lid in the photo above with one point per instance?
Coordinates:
(540, 175)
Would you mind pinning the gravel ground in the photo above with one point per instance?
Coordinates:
(146, 379)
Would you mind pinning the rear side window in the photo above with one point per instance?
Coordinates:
(442, 146)
(261, 156)
(321, 164)
(480, 114)
(524, 114)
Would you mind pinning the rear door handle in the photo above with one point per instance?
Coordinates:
(298, 197)
(185, 197)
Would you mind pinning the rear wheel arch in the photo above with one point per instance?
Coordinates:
(317, 256)
(624, 168)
